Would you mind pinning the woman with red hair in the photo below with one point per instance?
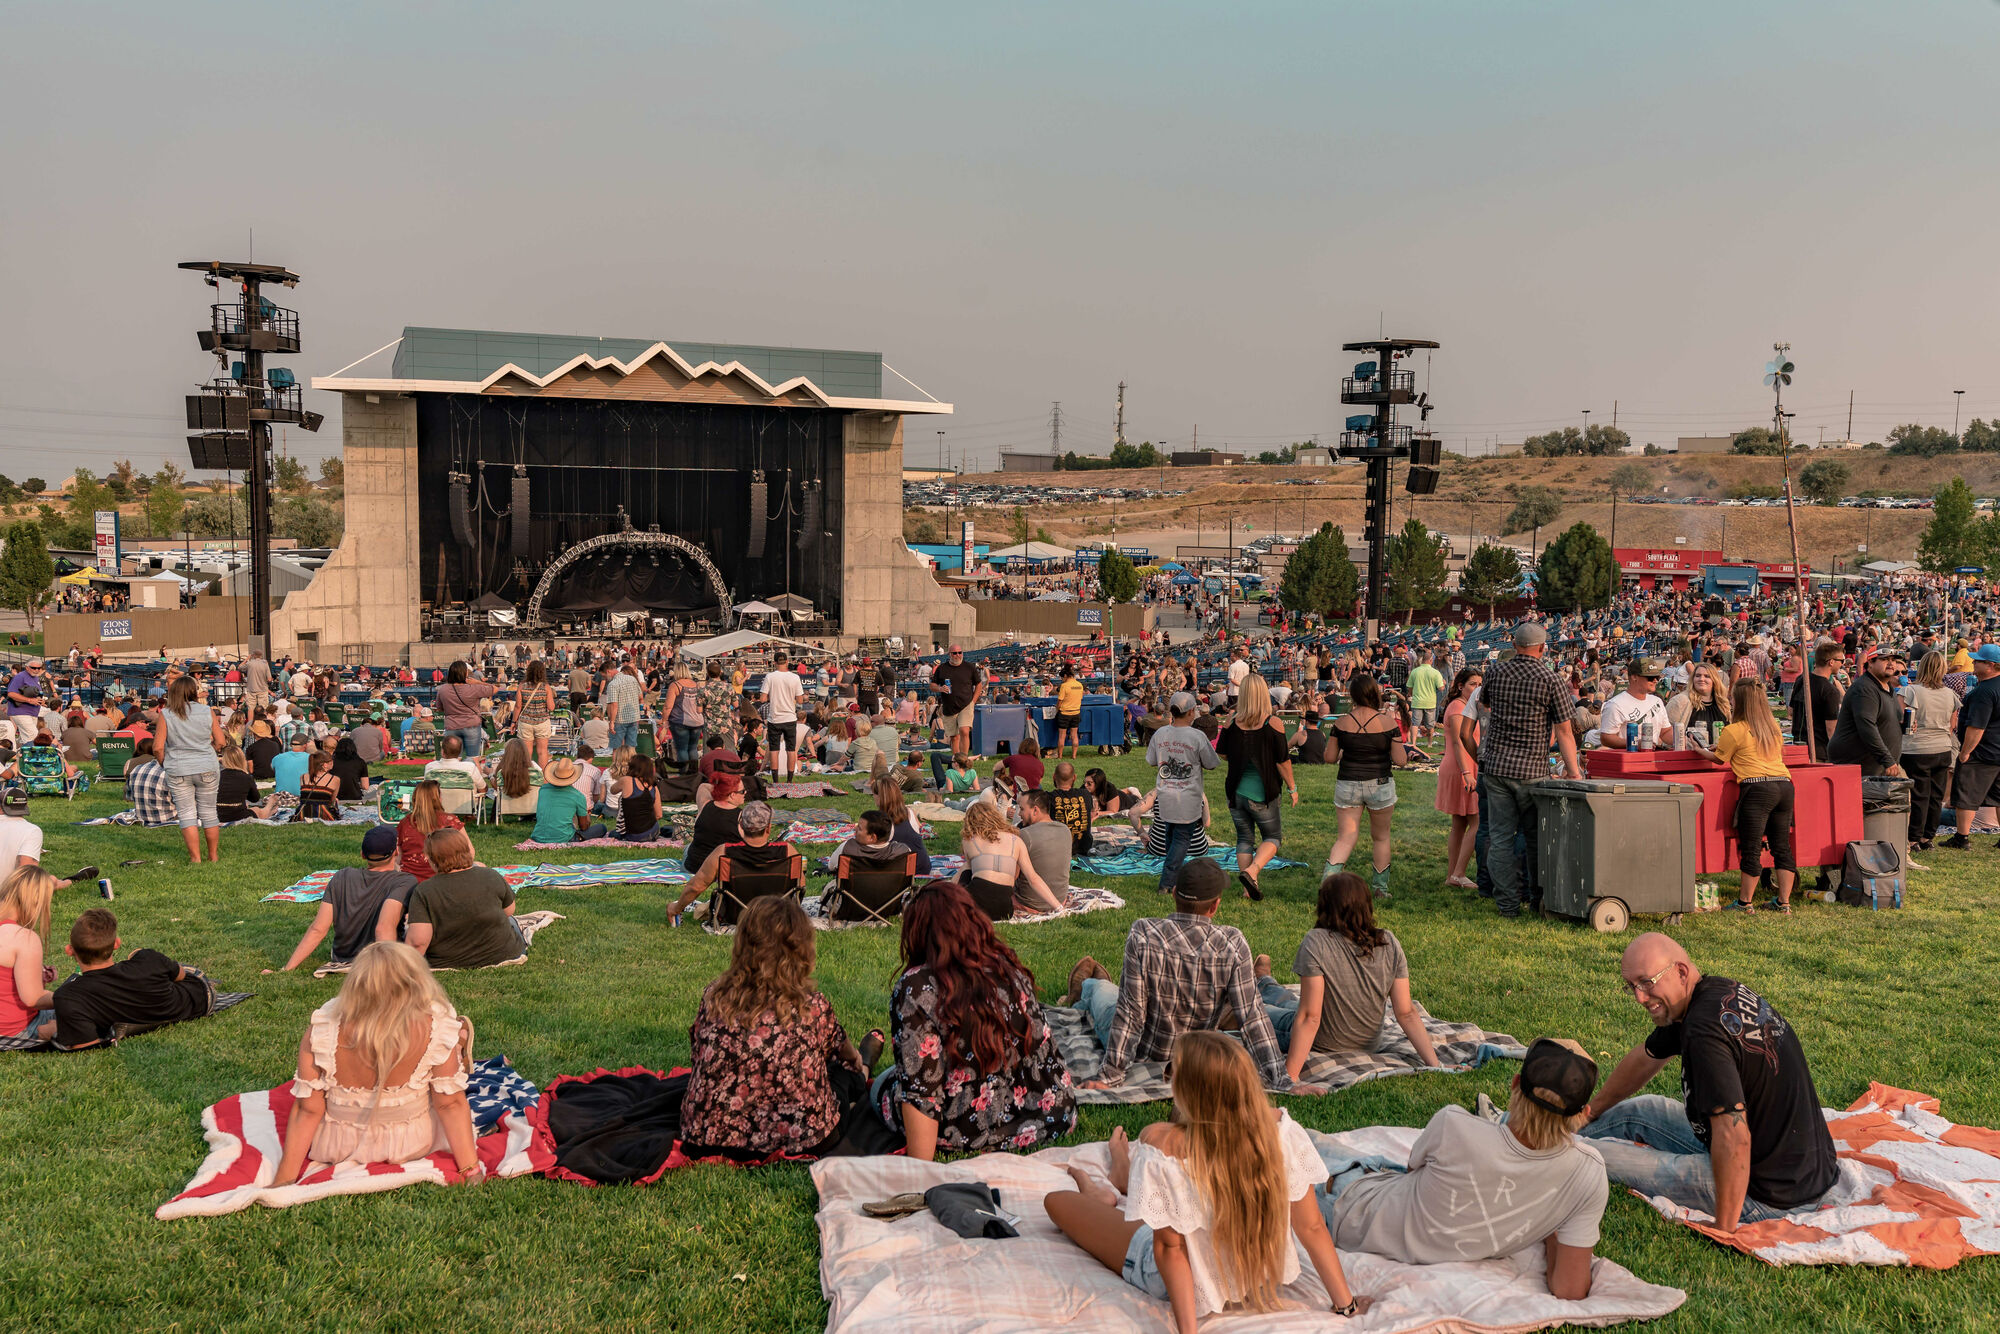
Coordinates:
(976, 1067)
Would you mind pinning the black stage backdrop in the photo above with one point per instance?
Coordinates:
(685, 467)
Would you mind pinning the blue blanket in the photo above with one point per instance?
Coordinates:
(1136, 861)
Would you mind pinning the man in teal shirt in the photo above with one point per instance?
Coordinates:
(1425, 683)
(562, 815)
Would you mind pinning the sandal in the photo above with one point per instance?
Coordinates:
(1250, 888)
(896, 1206)
(871, 1050)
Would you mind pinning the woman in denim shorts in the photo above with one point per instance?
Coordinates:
(1367, 747)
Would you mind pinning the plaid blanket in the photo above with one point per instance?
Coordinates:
(1459, 1047)
(526, 923)
(790, 791)
(311, 888)
(223, 1001)
(246, 1137)
(1135, 861)
(1080, 901)
(356, 815)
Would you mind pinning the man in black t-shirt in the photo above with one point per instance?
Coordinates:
(1827, 659)
(146, 990)
(1310, 740)
(960, 684)
(1747, 1141)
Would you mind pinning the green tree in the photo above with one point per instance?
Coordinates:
(1534, 507)
(1575, 572)
(1951, 538)
(165, 507)
(10, 490)
(63, 533)
(332, 471)
(1824, 480)
(1319, 576)
(1924, 442)
(217, 516)
(1117, 577)
(290, 475)
(1597, 441)
(307, 520)
(26, 572)
(1141, 455)
(1018, 527)
(1756, 440)
(1492, 575)
(1653, 451)
(1414, 573)
(1979, 438)
(919, 527)
(1628, 479)
(88, 496)
(34, 486)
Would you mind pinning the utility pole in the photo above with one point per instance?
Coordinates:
(1055, 428)
(940, 451)
(1777, 375)
(1614, 414)
(1118, 432)
(1957, 400)
(1850, 416)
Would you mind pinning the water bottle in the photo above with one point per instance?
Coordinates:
(1632, 736)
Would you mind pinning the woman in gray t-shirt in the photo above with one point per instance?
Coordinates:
(1349, 969)
(190, 739)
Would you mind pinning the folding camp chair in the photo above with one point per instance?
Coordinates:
(420, 739)
(740, 880)
(43, 774)
(562, 733)
(393, 798)
(504, 805)
(114, 752)
(870, 891)
(457, 793)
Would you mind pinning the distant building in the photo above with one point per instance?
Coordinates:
(1019, 461)
(1204, 458)
(1314, 456)
(1703, 444)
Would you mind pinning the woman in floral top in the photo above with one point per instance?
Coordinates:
(976, 1067)
(770, 1059)
(717, 700)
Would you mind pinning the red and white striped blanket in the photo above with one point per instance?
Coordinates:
(246, 1135)
(1922, 1191)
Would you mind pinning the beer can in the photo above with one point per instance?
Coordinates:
(1631, 736)
(104, 889)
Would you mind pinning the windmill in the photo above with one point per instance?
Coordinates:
(1778, 374)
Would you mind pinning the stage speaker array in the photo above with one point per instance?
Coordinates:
(523, 515)
(809, 530)
(758, 505)
(461, 510)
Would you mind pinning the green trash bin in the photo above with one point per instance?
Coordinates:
(1611, 847)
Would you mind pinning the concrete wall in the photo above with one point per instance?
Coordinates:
(1035, 619)
(365, 596)
(221, 621)
(885, 589)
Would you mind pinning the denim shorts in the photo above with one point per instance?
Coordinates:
(1377, 794)
(1141, 1270)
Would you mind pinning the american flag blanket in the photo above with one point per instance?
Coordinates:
(246, 1138)
(1459, 1047)
(1917, 1190)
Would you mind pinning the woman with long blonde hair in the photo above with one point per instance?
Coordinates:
(1702, 704)
(1211, 1199)
(26, 1003)
(1754, 750)
(382, 1071)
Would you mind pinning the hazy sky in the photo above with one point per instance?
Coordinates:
(1028, 202)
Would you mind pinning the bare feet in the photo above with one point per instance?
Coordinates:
(1090, 1187)
(1263, 965)
(1121, 1156)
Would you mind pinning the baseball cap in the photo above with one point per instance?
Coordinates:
(1987, 653)
(1647, 667)
(1556, 1078)
(1182, 703)
(379, 842)
(1201, 881)
(1529, 633)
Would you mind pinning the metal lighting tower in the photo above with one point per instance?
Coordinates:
(1778, 374)
(229, 420)
(1376, 438)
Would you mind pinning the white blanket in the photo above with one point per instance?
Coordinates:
(912, 1276)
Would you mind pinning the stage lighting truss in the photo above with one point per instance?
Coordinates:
(607, 545)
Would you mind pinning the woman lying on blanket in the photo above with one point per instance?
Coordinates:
(976, 1067)
(1212, 1198)
(773, 1072)
(1347, 967)
(382, 1071)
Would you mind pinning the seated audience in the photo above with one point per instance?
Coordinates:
(78, 742)
(835, 741)
(146, 787)
(889, 800)
(426, 816)
(866, 748)
(236, 791)
(1751, 1107)
(1023, 769)
(996, 863)
(772, 1071)
(262, 749)
(1309, 742)
(1209, 1209)
(873, 843)
(592, 781)
(362, 903)
(26, 1003)
(146, 990)
(595, 729)
(1181, 972)
(319, 791)
(961, 779)
(976, 1066)
(1348, 968)
(1073, 806)
(382, 1072)
(637, 795)
(451, 759)
(371, 740)
(1048, 842)
(562, 814)
(1106, 799)
(754, 851)
(716, 753)
(1533, 1178)
(288, 769)
(514, 771)
(716, 823)
(462, 917)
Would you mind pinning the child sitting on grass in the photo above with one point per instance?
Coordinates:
(145, 991)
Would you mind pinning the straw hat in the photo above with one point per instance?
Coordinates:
(562, 773)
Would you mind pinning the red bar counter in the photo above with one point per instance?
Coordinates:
(1826, 815)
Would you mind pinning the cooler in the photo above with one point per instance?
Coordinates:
(1611, 847)
(1826, 813)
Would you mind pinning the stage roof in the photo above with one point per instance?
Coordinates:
(432, 360)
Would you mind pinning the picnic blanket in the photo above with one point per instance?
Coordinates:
(1915, 1189)
(1460, 1047)
(246, 1137)
(532, 846)
(526, 923)
(913, 1274)
(357, 815)
(223, 1001)
(1080, 901)
(789, 791)
(1136, 861)
(311, 888)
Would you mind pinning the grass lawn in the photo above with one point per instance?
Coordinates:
(91, 1143)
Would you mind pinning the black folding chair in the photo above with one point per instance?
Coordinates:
(740, 881)
(871, 891)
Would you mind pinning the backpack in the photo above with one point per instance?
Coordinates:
(1871, 875)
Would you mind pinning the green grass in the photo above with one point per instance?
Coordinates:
(91, 1143)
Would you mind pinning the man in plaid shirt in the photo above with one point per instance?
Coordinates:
(1527, 707)
(146, 785)
(1182, 973)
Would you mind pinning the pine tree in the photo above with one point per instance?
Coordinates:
(1414, 574)
(25, 569)
(1950, 539)
(1492, 576)
(1575, 571)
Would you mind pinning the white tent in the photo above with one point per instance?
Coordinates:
(737, 641)
(755, 609)
(1033, 551)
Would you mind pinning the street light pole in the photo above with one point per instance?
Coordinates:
(1957, 401)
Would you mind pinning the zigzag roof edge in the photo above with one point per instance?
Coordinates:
(584, 359)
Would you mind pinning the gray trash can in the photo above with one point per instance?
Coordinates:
(1885, 812)
(1611, 847)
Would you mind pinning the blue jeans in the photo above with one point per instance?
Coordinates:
(1511, 842)
(1256, 822)
(1282, 1005)
(625, 734)
(686, 736)
(1671, 1162)
(472, 738)
(1179, 836)
(1342, 1171)
(1483, 877)
(1099, 1000)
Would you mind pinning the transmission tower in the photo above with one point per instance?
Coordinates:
(1118, 432)
(1055, 427)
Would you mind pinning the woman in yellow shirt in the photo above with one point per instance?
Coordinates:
(1069, 710)
(1754, 750)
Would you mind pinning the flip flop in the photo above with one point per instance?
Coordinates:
(1250, 887)
(896, 1206)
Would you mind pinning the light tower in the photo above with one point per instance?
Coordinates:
(229, 419)
(1377, 438)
